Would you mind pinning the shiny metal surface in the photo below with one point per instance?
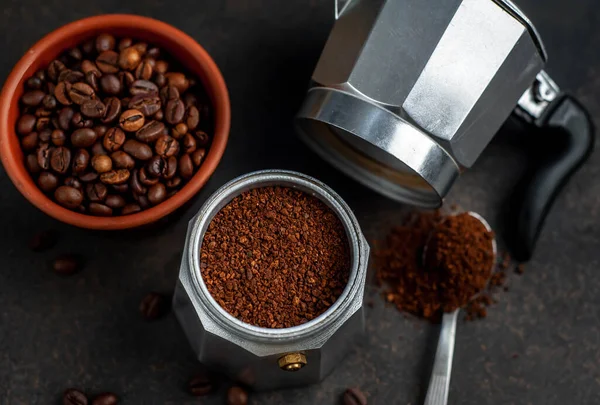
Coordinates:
(537, 98)
(376, 147)
(454, 71)
(249, 353)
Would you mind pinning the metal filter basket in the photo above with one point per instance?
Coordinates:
(260, 357)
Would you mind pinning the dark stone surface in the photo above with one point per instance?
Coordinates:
(539, 345)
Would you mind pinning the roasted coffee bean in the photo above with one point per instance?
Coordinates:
(108, 62)
(125, 43)
(68, 197)
(58, 137)
(192, 117)
(121, 188)
(150, 132)
(30, 142)
(179, 131)
(88, 47)
(144, 70)
(353, 396)
(174, 111)
(160, 80)
(110, 84)
(237, 396)
(81, 93)
(83, 138)
(64, 118)
(136, 185)
(115, 201)
(166, 146)
(98, 149)
(43, 156)
(145, 178)
(153, 53)
(66, 265)
(43, 112)
(106, 398)
(88, 66)
(157, 193)
(130, 209)
(54, 70)
(141, 47)
(126, 79)
(142, 87)
(161, 66)
(60, 159)
(88, 177)
(73, 182)
(32, 164)
(171, 169)
(153, 306)
(93, 108)
(125, 101)
(43, 240)
(42, 123)
(47, 182)
(100, 210)
(96, 192)
(156, 166)
(34, 83)
(81, 159)
(25, 124)
(49, 102)
(100, 130)
(91, 79)
(198, 157)
(177, 80)
(33, 98)
(189, 100)
(102, 163)
(201, 384)
(114, 139)
(131, 120)
(188, 144)
(202, 139)
(137, 149)
(70, 76)
(119, 176)
(168, 93)
(186, 167)
(105, 42)
(113, 110)
(174, 182)
(148, 104)
(79, 121)
(159, 115)
(61, 92)
(45, 136)
(122, 160)
(142, 200)
(129, 58)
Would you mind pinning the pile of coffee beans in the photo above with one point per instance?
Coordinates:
(275, 257)
(113, 127)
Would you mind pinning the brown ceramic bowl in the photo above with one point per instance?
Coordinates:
(178, 44)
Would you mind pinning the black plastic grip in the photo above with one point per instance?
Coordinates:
(565, 140)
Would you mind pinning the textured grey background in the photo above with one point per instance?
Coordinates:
(539, 345)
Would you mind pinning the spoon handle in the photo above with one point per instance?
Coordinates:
(439, 384)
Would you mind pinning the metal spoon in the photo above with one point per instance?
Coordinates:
(439, 383)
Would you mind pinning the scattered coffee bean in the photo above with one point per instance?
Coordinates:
(166, 146)
(130, 209)
(58, 137)
(83, 137)
(115, 201)
(137, 149)
(30, 142)
(105, 42)
(153, 306)
(66, 265)
(73, 182)
(144, 70)
(142, 87)
(79, 93)
(106, 398)
(68, 197)
(64, 118)
(26, 124)
(131, 120)
(119, 176)
(93, 108)
(88, 177)
(113, 110)
(186, 167)
(32, 164)
(122, 160)
(125, 43)
(100, 210)
(353, 396)
(147, 103)
(145, 178)
(237, 396)
(81, 160)
(188, 144)
(201, 384)
(60, 159)
(43, 156)
(150, 132)
(157, 193)
(74, 397)
(174, 111)
(33, 98)
(54, 69)
(102, 163)
(43, 240)
(47, 182)
(108, 62)
(202, 139)
(129, 58)
(177, 80)
(96, 192)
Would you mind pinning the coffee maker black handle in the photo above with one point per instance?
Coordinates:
(566, 141)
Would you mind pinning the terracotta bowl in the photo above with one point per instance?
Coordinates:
(178, 44)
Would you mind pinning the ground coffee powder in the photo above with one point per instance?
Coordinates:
(275, 257)
(458, 262)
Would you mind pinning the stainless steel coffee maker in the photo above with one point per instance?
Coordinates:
(408, 93)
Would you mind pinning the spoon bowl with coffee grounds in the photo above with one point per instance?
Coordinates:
(464, 248)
